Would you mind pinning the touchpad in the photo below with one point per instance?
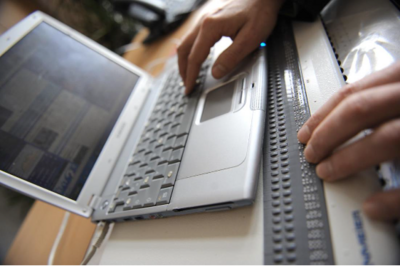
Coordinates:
(218, 102)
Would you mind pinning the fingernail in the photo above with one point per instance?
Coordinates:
(309, 153)
(304, 134)
(218, 71)
(324, 170)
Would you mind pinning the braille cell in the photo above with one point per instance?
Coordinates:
(278, 258)
(277, 238)
(278, 248)
(290, 236)
(274, 160)
(275, 187)
(287, 201)
(275, 195)
(274, 166)
(276, 211)
(276, 219)
(288, 209)
(285, 171)
(277, 228)
(289, 217)
(289, 227)
(291, 246)
(291, 257)
(286, 184)
(274, 180)
(284, 151)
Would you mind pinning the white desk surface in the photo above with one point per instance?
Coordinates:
(227, 237)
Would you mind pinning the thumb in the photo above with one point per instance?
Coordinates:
(244, 43)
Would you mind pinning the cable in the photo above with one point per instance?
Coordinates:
(58, 238)
(100, 234)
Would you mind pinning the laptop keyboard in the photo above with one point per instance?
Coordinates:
(154, 166)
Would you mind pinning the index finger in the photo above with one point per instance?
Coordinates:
(210, 32)
(184, 50)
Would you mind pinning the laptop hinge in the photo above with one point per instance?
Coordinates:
(94, 201)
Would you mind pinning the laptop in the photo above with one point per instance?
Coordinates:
(87, 131)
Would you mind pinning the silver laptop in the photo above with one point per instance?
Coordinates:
(87, 131)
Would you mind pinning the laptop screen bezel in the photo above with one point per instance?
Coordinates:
(102, 169)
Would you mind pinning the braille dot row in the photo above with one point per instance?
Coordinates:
(282, 210)
(311, 199)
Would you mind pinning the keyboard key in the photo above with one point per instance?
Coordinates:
(136, 185)
(146, 180)
(187, 118)
(152, 192)
(176, 156)
(180, 142)
(131, 170)
(164, 196)
(113, 205)
(165, 156)
(174, 130)
(158, 151)
(160, 171)
(127, 183)
(141, 147)
(171, 172)
(160, 141)
(169, 144)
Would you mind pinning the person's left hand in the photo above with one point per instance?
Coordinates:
(247, 23)
(373, 102)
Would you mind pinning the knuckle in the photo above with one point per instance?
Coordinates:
(208, 22)
(347, 90)
(180, 49)
(357, 106)
(315, 119)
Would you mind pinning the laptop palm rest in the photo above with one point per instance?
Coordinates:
(220, 132)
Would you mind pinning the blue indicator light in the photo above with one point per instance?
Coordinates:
(263, 44)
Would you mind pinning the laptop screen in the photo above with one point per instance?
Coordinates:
(59, 101)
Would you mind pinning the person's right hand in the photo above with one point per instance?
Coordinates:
(247, 23)
(372, 102)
